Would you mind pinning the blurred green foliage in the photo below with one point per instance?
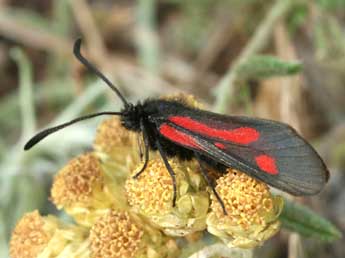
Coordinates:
(304, 221)
(331, 4)
(261, 66)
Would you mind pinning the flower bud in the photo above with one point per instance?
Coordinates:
(151, 194)
(35, 236)
(252, 211)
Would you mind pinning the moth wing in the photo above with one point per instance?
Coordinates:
(269, 151)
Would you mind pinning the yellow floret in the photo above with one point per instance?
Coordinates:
(151, 195)
(38, 236)
(29, 237)
(120, 234)
(77, 180)
(115, 235)
(152, 192)
(87, 189)
(252, 211)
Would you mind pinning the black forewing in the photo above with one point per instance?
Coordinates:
(301, 170)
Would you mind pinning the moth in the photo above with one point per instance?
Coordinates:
(269, 151)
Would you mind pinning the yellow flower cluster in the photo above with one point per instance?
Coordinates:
(118, 215)
(252, 211)
(123, 234)
(85, 190)
(37, 236)
(152, 196)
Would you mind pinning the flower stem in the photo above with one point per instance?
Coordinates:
(146, 36)
(25, 92)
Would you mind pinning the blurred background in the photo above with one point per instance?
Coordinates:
(283, 60)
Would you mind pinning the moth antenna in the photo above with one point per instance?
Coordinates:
(92, 68)
(43, 134)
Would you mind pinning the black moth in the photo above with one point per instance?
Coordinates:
(270, 151)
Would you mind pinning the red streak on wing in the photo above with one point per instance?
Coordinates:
(267, 164)
(220, 145)
(177, 136)
(241, 135)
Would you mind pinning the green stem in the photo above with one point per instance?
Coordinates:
(147, 40)
(3, 237)
(2, 148)
(25, 92)
(226, 87)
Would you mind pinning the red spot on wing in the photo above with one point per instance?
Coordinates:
(242, 135)
(177, 136)
(220, 145)
(267, 164)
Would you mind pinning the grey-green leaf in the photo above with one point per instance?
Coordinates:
(304, 221)
(264, 66)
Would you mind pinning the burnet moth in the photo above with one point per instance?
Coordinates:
(270, 151)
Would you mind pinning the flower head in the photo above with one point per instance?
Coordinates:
(151, 195)
(124, 235)
(77, 180)
(30, 237)
(115, 235)
(252, 211)
(85, 189)
(35, 235)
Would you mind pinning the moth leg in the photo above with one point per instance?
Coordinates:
(209, 181)
(147, 152)
(170, 170)
(139, 142)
